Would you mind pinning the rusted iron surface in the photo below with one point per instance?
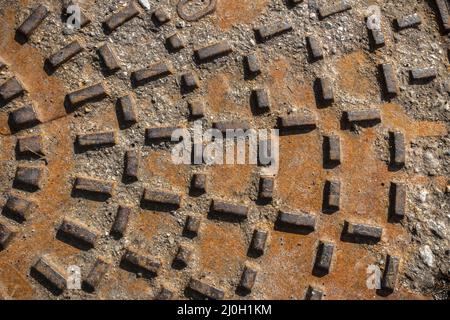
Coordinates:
(87, 178)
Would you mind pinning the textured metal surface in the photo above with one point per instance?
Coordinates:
(87, 178)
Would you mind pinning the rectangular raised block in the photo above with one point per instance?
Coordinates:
(109, 57)
(313, 294)
(10, 89)
(162, 197)
(326, 87)
(399, 193)
(97, 273)
(252, 64)
(53, 273)
(268, 32)
(262, 99)
(378, 38)
(6, 235)
(259, 240)
(33, 21)
(236, 210)
(152, 73)
(199, 182)
(141, 261)
(183, 256)
(121, 221)
(298, 121)
(365, 231)
(189, 81)
(24, 117)
(333, 192)
(390, 80)
(266, 187)
(79, 231)
(96, 91)
(94, 185)
(174, 42)
(119, 18)
(197, 108)
(390, 273)
(30, 146)
(206, 289)
(132, 165)
(399, 158)
(364, 115)
(409, 21)
(97, 139)
(21, 207)
(423, 73)
(192, 225)
(231, 125)
(324, 256)
(65, 54)
(329, 10)
(213, 51)
(127, 109)
(31, 176)
(302, 220)
(248, 278)
(315, 48)
(333, 147)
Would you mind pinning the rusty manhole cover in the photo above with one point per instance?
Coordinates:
(93, 206)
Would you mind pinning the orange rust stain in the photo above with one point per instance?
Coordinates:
(300, 177)
(153, 224)
(221, 248)
(329, 121)
(218, 88)
(365, 178)
(7, 148)
(286, 265)
(13, 285)
(60, 164)
(439, 181)
(230, 181)
(349, 273)
(138, 288)
(365, 181)
(395, 118)
(354, 75)
(52, 202)
(105, 117)
(119, 280)
(290, 259)
(277, 75)
(303, 95)
(287, 88)
(159, 164)
(233, 12)
(27, 64)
